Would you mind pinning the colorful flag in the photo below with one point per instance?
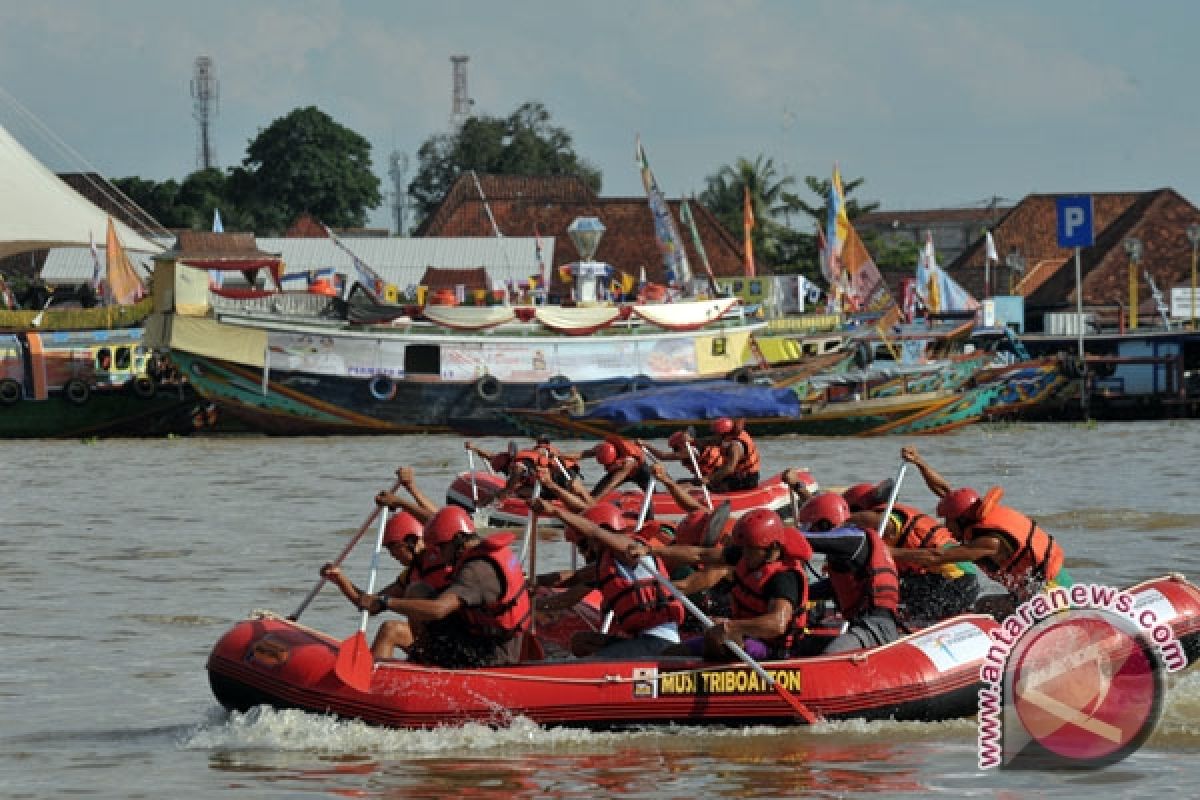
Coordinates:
(685, 216)
(990, 245)
(124, 285)
(670, 243)
(837, 228)
(747, 226)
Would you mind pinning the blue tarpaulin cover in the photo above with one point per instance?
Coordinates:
(699, 401)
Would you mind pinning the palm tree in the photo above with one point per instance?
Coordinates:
(723, 196)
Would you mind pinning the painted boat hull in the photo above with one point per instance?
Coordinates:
(930, 675)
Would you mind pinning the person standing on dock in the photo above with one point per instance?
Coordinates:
(739, 457)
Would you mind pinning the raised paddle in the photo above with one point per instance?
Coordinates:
(696, 469)
(354, 660)
(887, 512)
(341, 557)
(802, 710)
(641, 520)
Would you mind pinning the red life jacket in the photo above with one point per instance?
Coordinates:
(708, 459)
(427, 568)
(750, 460)
(511, 614)
(919, 532)
(533, 459)
(625, 449)
(1035, 553)
(637, 604)
(749, 597)
(554, 457)
(875, 586)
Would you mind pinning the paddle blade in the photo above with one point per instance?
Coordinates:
(804, 712)
(355, 663)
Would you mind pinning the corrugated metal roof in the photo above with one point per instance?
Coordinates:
(73, 265)
(400, 261)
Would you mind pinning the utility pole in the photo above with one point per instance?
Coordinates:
(206, 91)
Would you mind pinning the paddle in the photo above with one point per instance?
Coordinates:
(354, 660)
(887, 512)
(341, 557)
(696, 469)
(529, 523)
(479, 515)
(802, 710)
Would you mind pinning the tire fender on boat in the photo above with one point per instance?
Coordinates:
(382, 387)
(77, 391)
(488, 388)
(740, 375)
(560, 388)
(143, 386)
(10, 391)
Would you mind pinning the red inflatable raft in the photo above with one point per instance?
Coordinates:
(930, 675)
(771, 493)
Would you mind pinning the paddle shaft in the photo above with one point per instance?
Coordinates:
(366, 614)
(528, 546)
(611, 615)
(804, 711)
(474, 486)
(887, 512)
(341, 557)
(696, 469)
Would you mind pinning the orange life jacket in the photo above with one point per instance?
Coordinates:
(427, 568)
(554, 457)
(1035, 553)
(637, 604)
(877, 585)
(625, 449)
(708, 459)
(533, 459)
(919, 531)
(749, 597)
(750, 460)
(511, 614)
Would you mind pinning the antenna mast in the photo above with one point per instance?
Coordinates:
(206, 90)
(461, 102)
(397, 168)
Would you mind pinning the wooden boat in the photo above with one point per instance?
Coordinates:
(771, 493)
(930, 675)
(296, 363)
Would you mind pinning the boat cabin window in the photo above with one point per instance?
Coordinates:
(422, 359)
(104, 359)
(123, 358)
(719, 346)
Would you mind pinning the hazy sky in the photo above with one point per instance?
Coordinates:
(936, 103)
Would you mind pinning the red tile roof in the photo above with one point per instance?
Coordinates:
(525, 206)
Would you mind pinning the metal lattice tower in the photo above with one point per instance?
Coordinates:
(206, 90)
(397, 168)
(461, 102)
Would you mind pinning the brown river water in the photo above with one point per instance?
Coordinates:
(123, 561)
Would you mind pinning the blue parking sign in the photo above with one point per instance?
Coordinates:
(1075, 220)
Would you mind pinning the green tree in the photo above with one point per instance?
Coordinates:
(777, 248)
(159, 200)
(820, 213)
(305, 161)
(524, 143)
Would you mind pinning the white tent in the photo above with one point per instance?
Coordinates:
(38, 210)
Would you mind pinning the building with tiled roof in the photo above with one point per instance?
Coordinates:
(1035, 267)
(546, 206)
(953, 229)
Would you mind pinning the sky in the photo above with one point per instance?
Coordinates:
(935, 103)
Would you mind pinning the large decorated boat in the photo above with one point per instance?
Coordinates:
(303, 363)
(933, 674)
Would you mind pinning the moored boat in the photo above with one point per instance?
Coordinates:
(933, 674)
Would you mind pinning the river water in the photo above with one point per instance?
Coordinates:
(123, 561)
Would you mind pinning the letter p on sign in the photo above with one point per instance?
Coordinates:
(1074, 220)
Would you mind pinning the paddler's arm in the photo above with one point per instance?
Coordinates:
(681, 495)
(702, 579)
(765, 626)
(564, 599)
(659, 455)
(613, 479)
(982, 547)
(415, 608)
(334, 574)
(566, 496)
(936, 483)
(479, 451)
(682, 554)
(619, 543)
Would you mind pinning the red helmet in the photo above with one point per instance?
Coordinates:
(691, 529)
(606, 515)
(860, 496)
(500, 462)
(953, 506)
(447, 523)
(826, 508)
(722, 426)
(677, 440)
(760, 527)
(401, 525)
(606, 454)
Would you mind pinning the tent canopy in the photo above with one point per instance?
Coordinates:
(39, 211)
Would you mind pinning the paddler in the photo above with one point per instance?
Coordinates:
(420, 506)
(701, 460)
(1008, 546)
(927, 594)
(769, 591)
(646, 616)
(739, 457)
(477, 620)
(623, 460)
(863, 579)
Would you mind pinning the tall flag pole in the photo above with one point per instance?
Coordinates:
(747, 226)
(670, 243)
(685, 215)
(541, 261)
